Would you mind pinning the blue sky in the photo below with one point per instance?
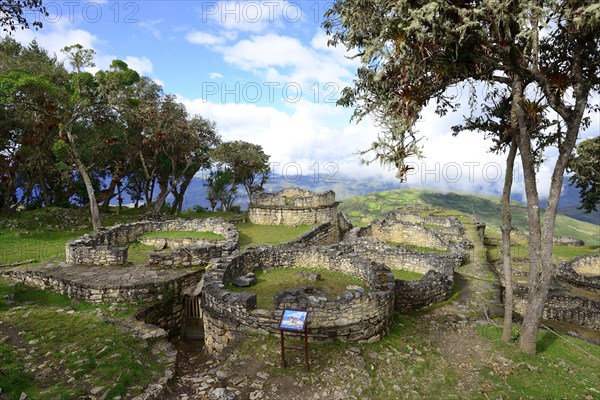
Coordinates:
(264, 73)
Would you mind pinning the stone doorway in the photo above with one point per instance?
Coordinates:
(192, 318)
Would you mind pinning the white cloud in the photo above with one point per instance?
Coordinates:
(215, 75)
(151, 27)
(142, 65)
(250, 16)
(54, 37)
(204, 38)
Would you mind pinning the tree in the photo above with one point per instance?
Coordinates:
(13, 13)
(248, 163)
(221, 188)
(585, 166)
(545, 53)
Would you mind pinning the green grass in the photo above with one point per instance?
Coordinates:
(184, 235)
(422, 249)
(21, 245)
(138, 253)
(68, 338)
(405, 275)
(563, 368)
(269, 283)
(252, 235)
(364, 209)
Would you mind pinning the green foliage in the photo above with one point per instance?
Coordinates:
(585, 166)
(247, 164)
(270, 282)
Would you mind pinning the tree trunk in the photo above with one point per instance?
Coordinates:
(89, 187)
(536, 295)
(506, 256)
(160, 200)
(94, 210)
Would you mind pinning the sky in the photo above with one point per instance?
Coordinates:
(262, 70)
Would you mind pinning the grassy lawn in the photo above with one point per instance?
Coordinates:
(184, 235)
(564, 368)
(422, 249)
(252, 235)
(405, 275)
(54, 347)
(269, 283)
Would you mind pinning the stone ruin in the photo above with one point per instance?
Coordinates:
(109, 245)
(295, 206)
(564, 303)
(356, 315)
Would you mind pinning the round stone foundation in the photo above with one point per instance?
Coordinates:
(109, 245)
(356, 315)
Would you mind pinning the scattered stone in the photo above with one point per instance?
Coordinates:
(244, 281)
(262, 375)
(222, 375)
(258, 394)
(96, 390)
(160, 244)
(222, 394)
(314, 276)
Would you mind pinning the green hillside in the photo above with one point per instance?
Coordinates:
(363, 209)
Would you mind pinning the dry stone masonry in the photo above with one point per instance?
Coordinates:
(356, 315)
(109, 245)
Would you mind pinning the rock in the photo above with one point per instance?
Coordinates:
(258, 394)
(262, 375)
(96, 390)
(221, 394)
(300, 275)
(245, 281)
(222, 375)
(314, 276)
(23, 396)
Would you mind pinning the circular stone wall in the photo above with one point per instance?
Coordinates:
(108, 246)
(438, 269)
(356, 315)
(582, 271)
(293, 206)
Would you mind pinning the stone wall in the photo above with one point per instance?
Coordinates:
(438, 269)
(356, 315)
(293, 206)
(324, 234)
(389, 230)
(104, 293)
(582, 272)
(413, 295)
(108, 246)
(572, 309)
(294, 197)
(291, 216)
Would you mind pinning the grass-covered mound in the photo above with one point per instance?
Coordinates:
(269, 283)
(54, 347)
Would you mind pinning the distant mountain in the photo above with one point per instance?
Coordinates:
(346, 187)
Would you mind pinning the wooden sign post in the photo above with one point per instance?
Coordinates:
(294, 321)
